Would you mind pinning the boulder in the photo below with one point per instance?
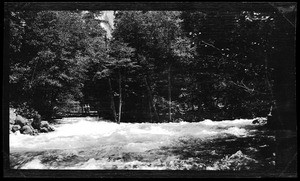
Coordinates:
(12, 116)
(30, 121)
(10, 128)
(27, 130)
(11, 120)
(35, 132)
(21, 121)
(44, 130)
(15, 128)
(259, 121)
(44, 124)
(51, 128)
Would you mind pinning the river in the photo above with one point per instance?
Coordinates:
(90, 143)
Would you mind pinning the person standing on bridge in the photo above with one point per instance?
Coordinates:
(88, 108)
(84, 109)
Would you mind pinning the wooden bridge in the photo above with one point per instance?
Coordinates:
(82, 114)
(89, 108)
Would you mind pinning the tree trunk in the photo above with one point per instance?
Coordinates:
(151, 100)
(112, 102)
(169, 87)
(269, 85)
(120, 97)
(150, 110)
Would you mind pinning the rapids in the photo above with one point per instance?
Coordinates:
(89, 143)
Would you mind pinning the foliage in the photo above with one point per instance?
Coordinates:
(231, 67)
(26, 111)
(218, 65)
(49, 64)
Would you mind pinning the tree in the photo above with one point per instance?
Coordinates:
(120, 64)
(53, 65)
(153, 34)
(162, 65)
(232, 50)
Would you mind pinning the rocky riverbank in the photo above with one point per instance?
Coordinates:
(21, 125)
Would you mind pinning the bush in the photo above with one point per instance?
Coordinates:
(36, 121)
(26, 111)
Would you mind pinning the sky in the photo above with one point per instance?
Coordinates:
(109, 17)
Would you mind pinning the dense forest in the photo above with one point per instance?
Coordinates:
(157, 66)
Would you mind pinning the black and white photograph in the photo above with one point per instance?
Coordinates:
(199, 89)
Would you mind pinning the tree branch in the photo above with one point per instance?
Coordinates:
(283, 14)
(247, 89)
(211, 45)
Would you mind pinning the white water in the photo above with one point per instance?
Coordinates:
(88, 133)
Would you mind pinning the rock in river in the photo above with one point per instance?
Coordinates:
(45, 124)
(21, 121)
(15, 128)
(27, 130)
(11, 121)
(44, 130)
(12, 115)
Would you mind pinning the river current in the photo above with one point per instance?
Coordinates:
(90, 143)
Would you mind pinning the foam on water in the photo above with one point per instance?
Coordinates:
(85, 132)
(100, 139)
(34, 164)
